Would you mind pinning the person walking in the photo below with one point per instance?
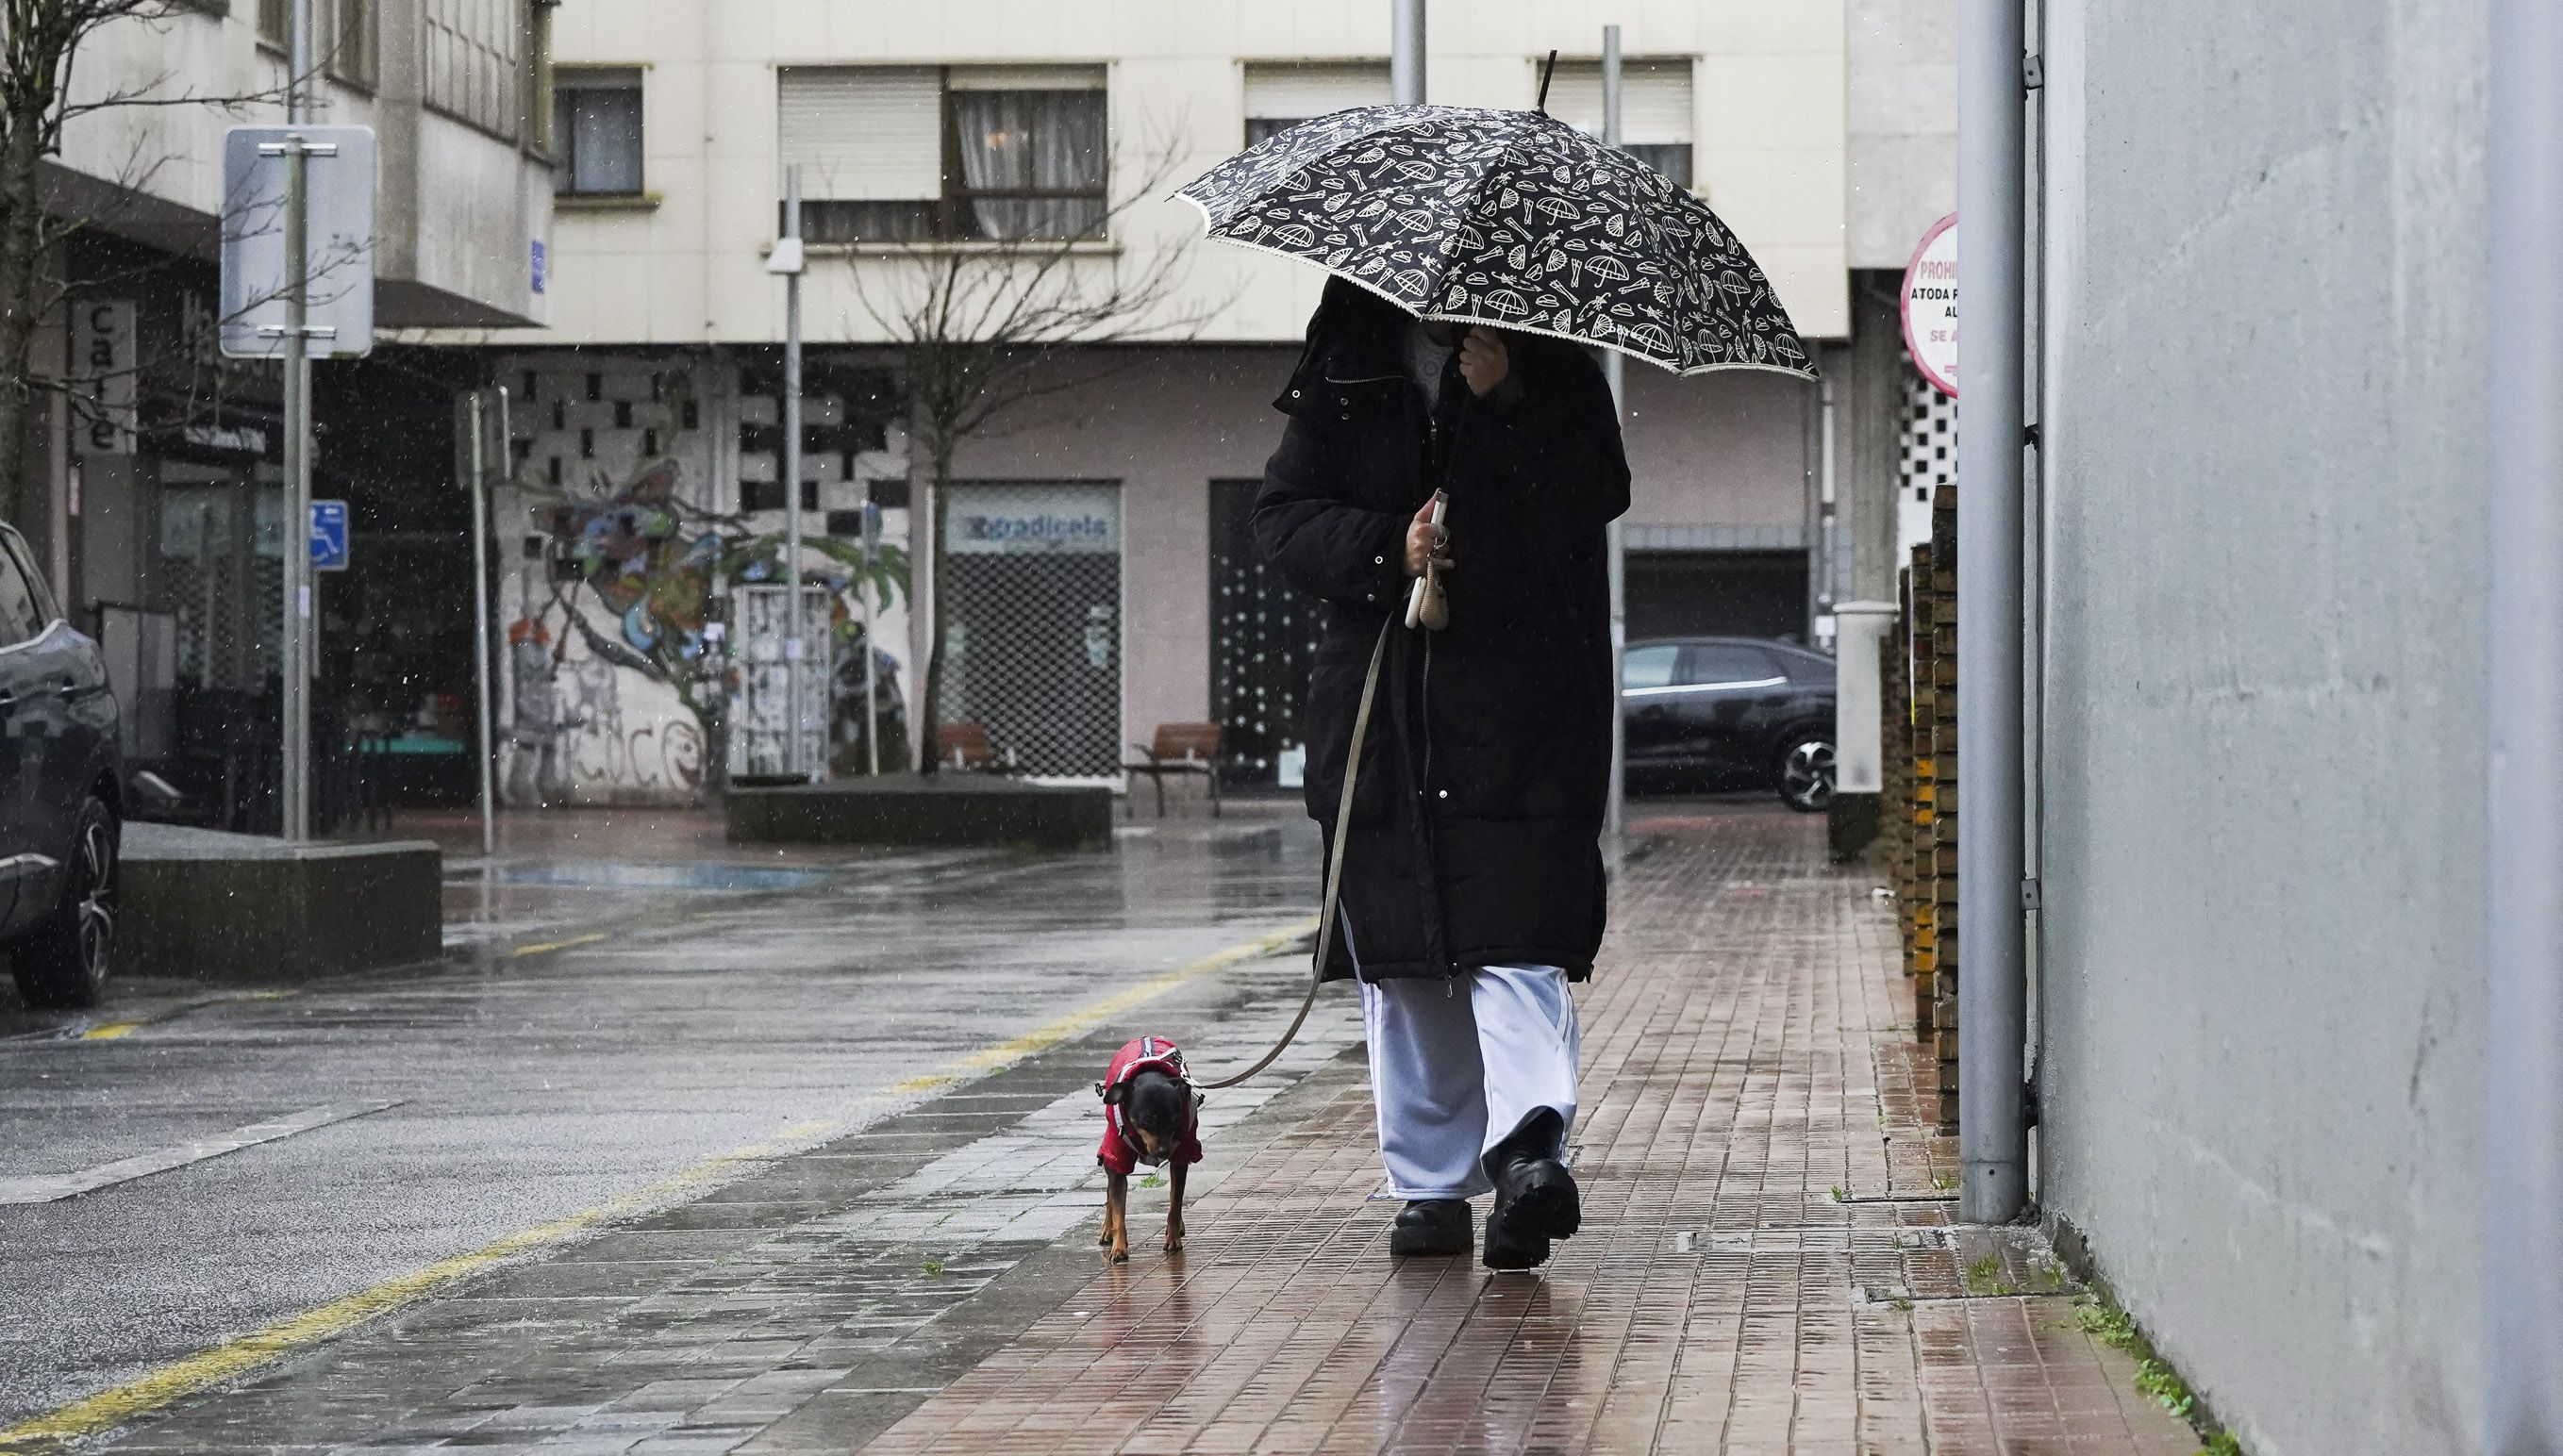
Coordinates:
(1472, 890)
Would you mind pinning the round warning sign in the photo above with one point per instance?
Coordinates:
(1931, 307)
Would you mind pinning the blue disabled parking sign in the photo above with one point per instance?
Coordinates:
(329, 535)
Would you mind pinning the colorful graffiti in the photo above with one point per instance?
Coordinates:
(657, 569)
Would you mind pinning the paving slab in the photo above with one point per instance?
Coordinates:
(1767, 1263)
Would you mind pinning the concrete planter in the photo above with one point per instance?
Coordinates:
(949, 808)
(210, 906)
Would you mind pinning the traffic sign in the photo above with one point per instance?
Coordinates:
(338, 250)
(1929, 303)
(329, 535)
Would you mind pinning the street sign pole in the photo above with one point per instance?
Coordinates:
(1614, 808)
(481, 618)
(871, 660)
(792, 645)
(293, 664)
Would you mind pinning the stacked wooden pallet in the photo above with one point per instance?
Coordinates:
(1937, 728)
(1920, 908)
(1896, 764)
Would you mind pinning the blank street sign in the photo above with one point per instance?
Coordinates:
(340, 234)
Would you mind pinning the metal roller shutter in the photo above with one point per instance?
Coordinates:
(858, 134)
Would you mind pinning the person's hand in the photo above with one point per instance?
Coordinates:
(1483, 361)
(1426, 542)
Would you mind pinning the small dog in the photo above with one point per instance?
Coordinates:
(1150, 1116)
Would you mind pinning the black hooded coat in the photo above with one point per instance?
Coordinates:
(1477, 817)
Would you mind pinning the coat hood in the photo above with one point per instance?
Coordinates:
(1351, 321)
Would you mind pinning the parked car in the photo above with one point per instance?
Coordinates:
(60, 778)
(1727, 713)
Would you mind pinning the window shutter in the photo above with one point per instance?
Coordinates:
(873, 133)
(1290, 92)
(1028, 78)
(1654, 100)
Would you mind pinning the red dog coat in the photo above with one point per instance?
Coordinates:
(1120, 1150)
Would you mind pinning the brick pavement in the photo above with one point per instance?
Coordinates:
(1767, 1263)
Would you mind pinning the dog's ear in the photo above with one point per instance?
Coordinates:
(1113, 1094)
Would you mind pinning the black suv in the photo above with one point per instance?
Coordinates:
(60, 777)
(1729, 712)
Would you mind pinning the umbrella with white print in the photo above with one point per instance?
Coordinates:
(1511, 219)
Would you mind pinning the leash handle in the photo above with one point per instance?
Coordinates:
(1334, 861)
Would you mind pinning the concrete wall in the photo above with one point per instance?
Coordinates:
(685, 263)
(2263, 785)
(1901, 144)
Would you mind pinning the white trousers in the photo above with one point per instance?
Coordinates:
(1456, 1065)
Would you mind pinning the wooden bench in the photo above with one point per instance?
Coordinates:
(1179, 748)
(964, 746)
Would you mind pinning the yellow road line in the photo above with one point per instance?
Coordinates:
(560, 944)
(111, 1030)
(209, 1368)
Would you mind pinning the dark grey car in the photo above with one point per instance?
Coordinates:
(60, 792)
(1729, 712)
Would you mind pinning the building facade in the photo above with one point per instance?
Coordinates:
(157, 468)
(1100, 578)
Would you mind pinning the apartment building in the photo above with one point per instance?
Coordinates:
(158, 508)
(918, 129)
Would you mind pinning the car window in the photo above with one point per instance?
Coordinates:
(1712, 665)
(22, 612)
(1651, 666)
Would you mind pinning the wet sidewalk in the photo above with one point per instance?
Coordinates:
(1768, 1263)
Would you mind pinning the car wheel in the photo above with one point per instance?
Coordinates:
(1807, 774)
(65, 959)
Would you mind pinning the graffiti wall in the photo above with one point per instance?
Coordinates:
(642, 493)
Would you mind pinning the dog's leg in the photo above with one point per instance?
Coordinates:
(1117, 1217)
(1175, 1208)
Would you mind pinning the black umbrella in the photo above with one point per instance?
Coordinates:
(1506, 218)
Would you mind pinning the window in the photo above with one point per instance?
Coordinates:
(275, 22)
(1280, 94)
(474, 51)
(928, 153)
(23, 616)
(353, 46)
(1645, 668)
(596, 132)
(1654, 108)
(1730, 665)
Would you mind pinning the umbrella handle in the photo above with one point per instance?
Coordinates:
(1425, 604)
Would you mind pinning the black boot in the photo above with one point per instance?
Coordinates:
(1535, 1196)
(1432, 1229)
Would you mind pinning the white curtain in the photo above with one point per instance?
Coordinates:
(1035, 141)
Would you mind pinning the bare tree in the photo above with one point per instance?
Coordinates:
(986, 328)
(40, 41)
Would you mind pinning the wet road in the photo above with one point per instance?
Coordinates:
(608, 1035)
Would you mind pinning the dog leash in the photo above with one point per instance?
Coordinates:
(1334, 861)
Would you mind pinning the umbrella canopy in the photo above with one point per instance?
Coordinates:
(1512, 219)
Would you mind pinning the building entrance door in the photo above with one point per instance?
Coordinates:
(1263, 637)
(1032, 624)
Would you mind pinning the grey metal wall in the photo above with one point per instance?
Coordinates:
(2263, 788)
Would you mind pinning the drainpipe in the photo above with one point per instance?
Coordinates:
(1992, 1147)
(2523, 1151)
(1406, 52)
